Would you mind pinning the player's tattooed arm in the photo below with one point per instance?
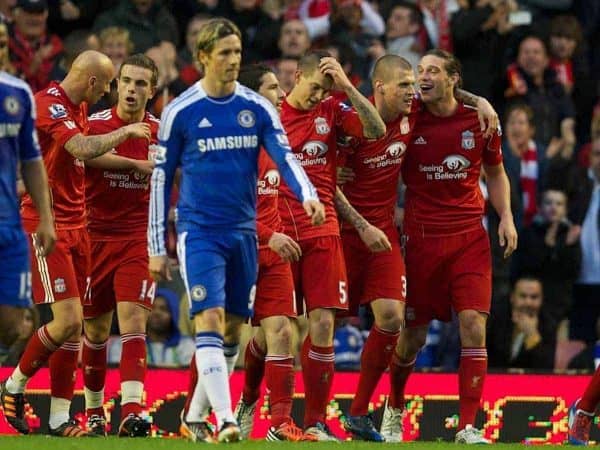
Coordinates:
(373, 124)
(488, 117)
(88, 147)
(375, 239)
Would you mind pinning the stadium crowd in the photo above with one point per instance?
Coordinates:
(537, 62)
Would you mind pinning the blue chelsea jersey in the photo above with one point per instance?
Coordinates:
(216, 142)
(18, 141)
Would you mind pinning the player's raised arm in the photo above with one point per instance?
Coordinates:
(167, 160)
(373, 125)
(88, 147)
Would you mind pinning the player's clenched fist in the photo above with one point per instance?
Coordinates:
(315, 210)
(138, 130)
(159, 268)
(375, 239)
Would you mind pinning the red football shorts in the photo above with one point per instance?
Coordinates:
(274, 288)
(372, 276)
(447, 272)
(64, 273)
(119, 274)
(320, 275)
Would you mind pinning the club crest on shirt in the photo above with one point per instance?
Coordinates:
(468, 140)
(198, 293)
(60, 285)
(11, 105)
(246, 118)
(321, 126)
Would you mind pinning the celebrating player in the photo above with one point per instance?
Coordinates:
(448, 258)
(19, 143)
(62, 277)
(214, 131)
(312, 121)
(119, 273)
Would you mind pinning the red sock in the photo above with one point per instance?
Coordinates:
(63, 367)
(93, 361)
(317, 372)
(399, 373)
(192, 384)
(254, 364)
(279, 375)
(38, 350)
(133, 368)
(591, 396)
(471, 375)
(375, 358)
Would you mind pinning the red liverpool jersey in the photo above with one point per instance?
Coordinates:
(312, 135)
(441, 170)
(58, 120)
(117, 200)
(376, 165)
(267, 216)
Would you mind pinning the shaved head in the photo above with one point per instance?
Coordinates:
(386, 66)
(93, 63)
(89, 78)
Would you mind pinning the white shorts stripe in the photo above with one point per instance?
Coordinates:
(42, 266)
(182, 264)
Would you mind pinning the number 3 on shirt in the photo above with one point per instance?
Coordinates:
(343, 293)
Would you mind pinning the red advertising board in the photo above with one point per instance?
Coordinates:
(515, 408)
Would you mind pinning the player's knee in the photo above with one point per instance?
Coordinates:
(472, 328)
(70, 326)
(211, 320)
(96, 333)
(389, 320)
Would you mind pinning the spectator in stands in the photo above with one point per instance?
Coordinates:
(149, 23)
(480, 31)
(6, 8)
(75, 43)
(259, 30)
(355, 23)
(533, 81)
(116, 44)
(523, 338)
(549, 250)
(70, 15)
(585, 212)
(31, 322)
(525, 162)
(190, 70)
(170, 84)
(436, 31)
(165, 345)
(5, 63)
(32, 49)
(293, 39)
(286, 71)
(348, 343)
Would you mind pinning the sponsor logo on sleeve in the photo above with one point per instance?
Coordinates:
(57, 111)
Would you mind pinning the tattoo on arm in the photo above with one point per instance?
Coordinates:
(373, 125)
(88, 147)
(466, 97)
(347, 212)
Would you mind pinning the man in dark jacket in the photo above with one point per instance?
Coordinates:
(523, 338)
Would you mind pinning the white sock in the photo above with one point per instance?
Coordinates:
(17, 381)
(132, 392)
(212, 374)
(93, 399)
(59, 411)
(231, 352)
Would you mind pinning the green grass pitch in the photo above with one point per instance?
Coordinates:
(113, 443)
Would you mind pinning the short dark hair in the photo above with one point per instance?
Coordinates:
(452, 65)
(310, 60)
(382, 66)
(567, 26)
(141, 60)
(416, 16)
(520, 106)
(251, 75)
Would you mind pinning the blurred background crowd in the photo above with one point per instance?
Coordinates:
(537, 61)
